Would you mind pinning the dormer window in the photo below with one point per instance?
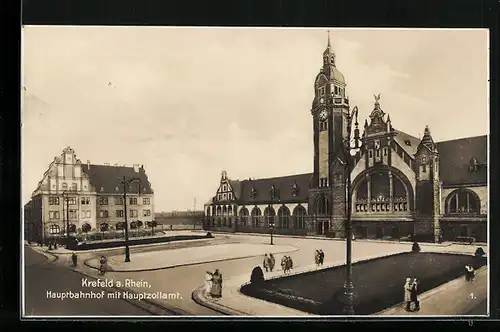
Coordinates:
(424, 160)
(321, 91)
(253, 193)
(295, 189)
(272, 192)
(474, 165)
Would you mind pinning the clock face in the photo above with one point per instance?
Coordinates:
(322, 100)
(323, 115)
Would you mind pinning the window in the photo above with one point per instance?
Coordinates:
(64, 186)
(74, 187)
(133, 200)
(133, 213)
(224, 187)
(256, 216)
(71, 200)
(385, 151)
(147, 213)
(424, 168)
(323, 182)
(299, 213)
(86, 214)
(146, 201)
(103, 201)
(103, 214)
(283, 217)
(54, 229)
(464, 201)
(85, 200)
(370, 154)
(321, 91)
(323, 125)
(53, 215)
(119, 213)
(229, 195)
(244, 216)
(218, 197)
(424, 160)
(53, 200)
(118, 200)
(342, 92)
(336, 90)
(72, 214)
(224, 196)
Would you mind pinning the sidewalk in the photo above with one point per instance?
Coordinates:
(235, 303)
(322, 237)
(158, 260)
(454, 296)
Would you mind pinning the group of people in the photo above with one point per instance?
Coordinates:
(213, 284)
(319, 257)
(269, 262)
(469, 273)
(411, 294)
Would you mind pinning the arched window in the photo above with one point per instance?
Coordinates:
(133, 225)
(244, 216)
(72, 228)
(54, 229)
(224, 210)
(463, 201)
(299, 213)
(283, 217)
(256, 216)
(322, 206)
(230, 210)
(269, 213)
(218, 211)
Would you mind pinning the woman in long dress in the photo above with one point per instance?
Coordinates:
(102, 267)
(272, 262)
(407, 289)
(216, 284)
(208, 282)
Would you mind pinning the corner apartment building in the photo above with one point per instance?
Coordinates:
(89, 196)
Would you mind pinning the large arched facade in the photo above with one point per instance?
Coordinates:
(382, 190)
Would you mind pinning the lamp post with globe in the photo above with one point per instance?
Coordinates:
(352, 146)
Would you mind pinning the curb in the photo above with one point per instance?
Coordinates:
(198, 296)
(332, 239)
(131, 246)
(430, 292)
(182, 265)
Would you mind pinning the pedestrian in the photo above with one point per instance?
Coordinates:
(407, 292)
(321, 257)
(272, 262)
(216, 284)
(469, 273)
(290, 263)
(283, 264)
(265, 263)
(74, 259)
(414, 294)
(102, 265)
(316, 257)
(208, 282)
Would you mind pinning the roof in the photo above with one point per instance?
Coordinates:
(109, 178)
(236, 185)
(283, 186)
(455, 156)
(403, 139)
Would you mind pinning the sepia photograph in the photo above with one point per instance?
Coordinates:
(254, 172)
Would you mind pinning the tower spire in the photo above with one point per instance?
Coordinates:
(328, 32)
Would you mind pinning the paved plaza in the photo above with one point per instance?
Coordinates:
(187, 278)
(155, 260)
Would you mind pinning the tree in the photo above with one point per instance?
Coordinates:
(86, 228)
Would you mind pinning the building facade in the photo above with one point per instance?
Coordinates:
(401, 184)
(89, 196)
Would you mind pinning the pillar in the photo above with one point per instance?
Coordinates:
(456, 202)
(369, 193)
(391, 193)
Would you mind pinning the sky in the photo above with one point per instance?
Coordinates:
(188, 103)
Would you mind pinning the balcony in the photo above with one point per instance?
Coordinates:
(381, 205)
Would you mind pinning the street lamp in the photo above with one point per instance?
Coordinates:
(271, 218)
(352, 147)
(126, 183)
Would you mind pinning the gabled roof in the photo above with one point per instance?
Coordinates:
(236, 185)
(109, 178)
(407, 142)
(283, 186)
(455, 156)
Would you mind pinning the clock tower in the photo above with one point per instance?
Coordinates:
(330, 109)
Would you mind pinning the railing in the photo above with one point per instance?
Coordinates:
(381, 205)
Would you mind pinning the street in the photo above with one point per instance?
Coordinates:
(42, 277)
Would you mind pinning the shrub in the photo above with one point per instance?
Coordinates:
(415, 247)
(257, 276)
(479, 252)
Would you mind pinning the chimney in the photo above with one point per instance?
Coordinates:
(136, 168)
(88, 164)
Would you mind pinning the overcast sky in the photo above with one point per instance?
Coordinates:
(188, 103)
